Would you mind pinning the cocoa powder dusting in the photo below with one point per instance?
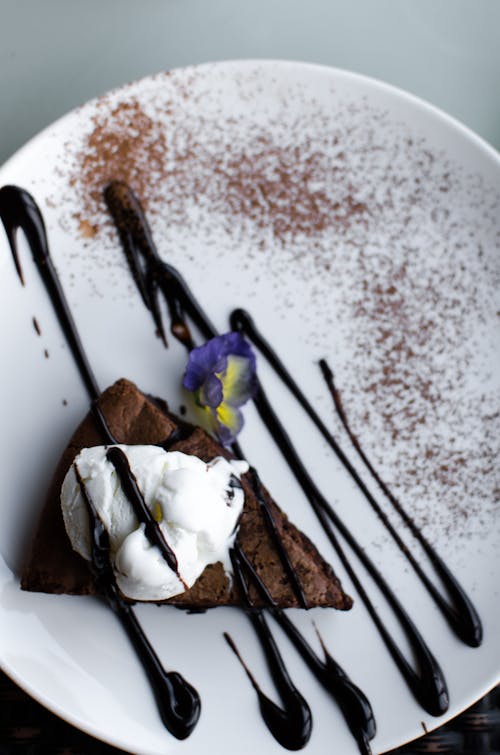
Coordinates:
(124, 144)
(377, 230)
(276, 187)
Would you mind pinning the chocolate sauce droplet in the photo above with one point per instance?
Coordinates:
(291, 725)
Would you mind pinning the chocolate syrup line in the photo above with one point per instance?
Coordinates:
(291, 725)
(460, 613)
(151, 274)
(177, 701)
(19, 210)
(272, 529)
(352, 702)
(428, 685)
(134, 496)
(275, 536)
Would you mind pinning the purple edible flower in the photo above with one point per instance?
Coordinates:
(221, 376)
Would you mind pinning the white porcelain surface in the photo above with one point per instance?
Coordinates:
(70, 653)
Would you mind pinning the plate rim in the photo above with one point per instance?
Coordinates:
(346, 73)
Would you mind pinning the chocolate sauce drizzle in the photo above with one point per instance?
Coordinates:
(290, 726)
(18, 209)
(178, 701)
(427, 683)
(277, 542)
(153, 276)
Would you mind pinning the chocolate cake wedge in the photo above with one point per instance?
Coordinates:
(134, 419)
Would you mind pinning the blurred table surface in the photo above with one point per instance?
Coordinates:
(55, 55)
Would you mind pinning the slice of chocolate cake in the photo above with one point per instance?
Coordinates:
(134, 419)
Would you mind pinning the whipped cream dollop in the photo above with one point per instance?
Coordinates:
(196, 504)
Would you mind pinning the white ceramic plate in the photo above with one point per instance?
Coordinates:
(353, 221)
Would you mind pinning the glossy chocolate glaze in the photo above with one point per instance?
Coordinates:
(178, 702)
(291, 725)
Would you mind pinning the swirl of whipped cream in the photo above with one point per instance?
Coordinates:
(196, 505)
